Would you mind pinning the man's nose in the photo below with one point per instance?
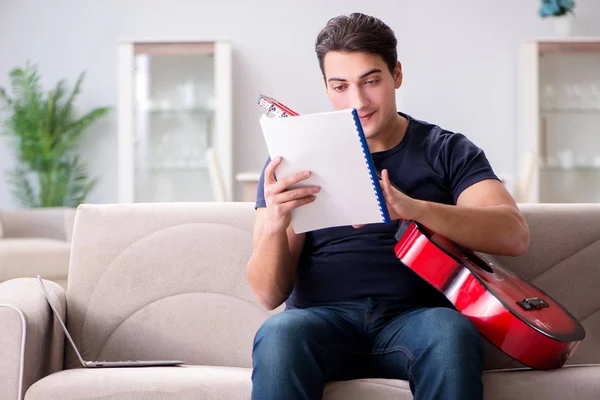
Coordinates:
(359, 99)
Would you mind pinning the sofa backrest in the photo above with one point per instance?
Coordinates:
(564, 261)
(168, 280)
(47, 222)
(163, 281)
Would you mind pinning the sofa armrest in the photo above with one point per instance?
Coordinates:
(32, 341)
(51, 223)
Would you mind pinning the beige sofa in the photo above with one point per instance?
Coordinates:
(156, 281)
(36, 241)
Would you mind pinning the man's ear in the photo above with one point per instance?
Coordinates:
(398, 75)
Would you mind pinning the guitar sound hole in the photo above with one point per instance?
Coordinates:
(477, 261)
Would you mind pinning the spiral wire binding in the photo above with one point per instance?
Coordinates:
(371, 167)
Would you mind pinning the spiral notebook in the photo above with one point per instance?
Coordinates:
(333, 146)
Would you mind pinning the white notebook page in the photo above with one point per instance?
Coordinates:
(328, 145)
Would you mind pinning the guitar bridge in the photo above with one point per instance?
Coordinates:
(532, 303)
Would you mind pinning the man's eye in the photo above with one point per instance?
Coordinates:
(338, 88)
(372, 81)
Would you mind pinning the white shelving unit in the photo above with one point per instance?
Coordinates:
(175, 120)
(560, 159)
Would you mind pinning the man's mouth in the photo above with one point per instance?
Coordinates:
(366, 117)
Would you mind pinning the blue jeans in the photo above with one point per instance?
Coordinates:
(437, 350)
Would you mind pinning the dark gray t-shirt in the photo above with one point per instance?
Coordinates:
(345, 264)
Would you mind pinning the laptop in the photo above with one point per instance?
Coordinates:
(103, 364)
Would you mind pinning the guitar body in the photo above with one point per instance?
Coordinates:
(515, 316)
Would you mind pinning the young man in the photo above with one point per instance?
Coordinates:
(353, 310)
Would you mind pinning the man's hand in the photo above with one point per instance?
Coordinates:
(281, 200)
(400, 206)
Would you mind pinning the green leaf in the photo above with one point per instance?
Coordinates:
(22, 189)
(78, 184)
(44, 131)
(75, 129)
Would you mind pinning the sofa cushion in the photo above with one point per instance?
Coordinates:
(372, 389)
(581, 382)
(149, 383)
(27, 257)
(203, 382)
(570, 382)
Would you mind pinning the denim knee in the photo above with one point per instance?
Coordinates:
(450, 357)
(288, 350)
(453, 335)
(282, 338)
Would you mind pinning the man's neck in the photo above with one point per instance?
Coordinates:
(390, 136)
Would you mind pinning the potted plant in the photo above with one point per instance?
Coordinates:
(44, 129)
(562, 13)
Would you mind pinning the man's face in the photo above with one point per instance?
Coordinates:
(362, 81)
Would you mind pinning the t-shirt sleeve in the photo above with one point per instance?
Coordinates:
(465, 163)
(260, 190)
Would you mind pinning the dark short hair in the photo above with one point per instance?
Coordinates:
(357, 33)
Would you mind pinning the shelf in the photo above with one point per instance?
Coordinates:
(248, 176)
(561, 111)
(569, 45)
(172, 169)
(176, 111)
(579, 169)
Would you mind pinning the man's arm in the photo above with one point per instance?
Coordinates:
(272, 267)
(485, 218)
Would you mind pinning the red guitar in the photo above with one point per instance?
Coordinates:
(514, 315)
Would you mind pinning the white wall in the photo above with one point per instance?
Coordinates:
(460, 61)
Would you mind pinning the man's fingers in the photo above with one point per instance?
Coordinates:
(389, 187)
(297, 193)
(270, 171)
(283, 183)
(290, 205)
(386, 177)
(385, 182)
(288, 181)
(295, 178)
